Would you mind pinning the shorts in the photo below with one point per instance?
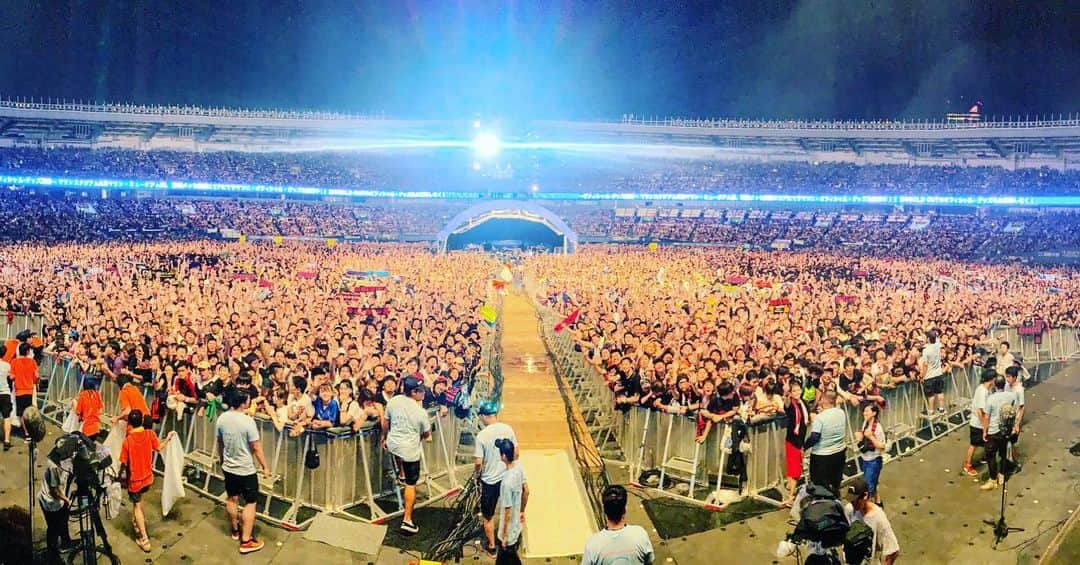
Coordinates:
(22, 403)
(793, 460)
(137, 495)
(489, 499)
(5, 405)
(976, 436)
(243, 486)
(933, 386)
(408, 470)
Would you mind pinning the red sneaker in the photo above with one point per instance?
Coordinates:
(971, 472)
(251, 546)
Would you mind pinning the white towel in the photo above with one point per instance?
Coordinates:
(174, 476)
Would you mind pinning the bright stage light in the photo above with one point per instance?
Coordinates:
(486, 145)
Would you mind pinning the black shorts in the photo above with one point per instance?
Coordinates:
(243, 486)
(933, 385)
(489, 499)
(137, 496)
(976, 436)
(5, 405)
(409, 471)
(22, 403)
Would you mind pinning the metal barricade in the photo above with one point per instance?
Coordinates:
(23, 321)
(355, 478)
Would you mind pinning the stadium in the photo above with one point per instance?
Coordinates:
(519, 336)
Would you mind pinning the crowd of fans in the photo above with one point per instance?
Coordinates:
(724, 333)
(438, 171)
(26, 216)
(319, 336)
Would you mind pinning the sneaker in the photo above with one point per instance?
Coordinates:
(990, 484)
(144, 544)
(235, 535)
(7, 446)
(492, 551)
(971, 472)
(251, 546)
(409, 527)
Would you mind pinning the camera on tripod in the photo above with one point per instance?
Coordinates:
(87, 463)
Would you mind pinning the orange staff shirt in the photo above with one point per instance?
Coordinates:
(24, 371)
(88, 407)
(138, 454)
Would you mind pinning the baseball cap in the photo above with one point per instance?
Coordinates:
(411, 384)
(858, 488)
(488, 408)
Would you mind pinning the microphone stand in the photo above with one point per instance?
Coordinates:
(1002, 528)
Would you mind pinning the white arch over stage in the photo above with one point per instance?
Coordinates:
(512, 210)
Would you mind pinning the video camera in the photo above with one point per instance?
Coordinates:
(87, 461)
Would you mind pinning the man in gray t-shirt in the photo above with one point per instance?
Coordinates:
(239, 448)
(994, 432)
(933, 380)
(618, 543)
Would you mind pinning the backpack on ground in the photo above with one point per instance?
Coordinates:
(858, 543)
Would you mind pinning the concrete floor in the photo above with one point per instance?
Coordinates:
(937, 512)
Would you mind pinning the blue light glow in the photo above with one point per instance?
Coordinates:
(267, 189)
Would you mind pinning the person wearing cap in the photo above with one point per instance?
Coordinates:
(489, 468)
(405, 424)
(886, 548)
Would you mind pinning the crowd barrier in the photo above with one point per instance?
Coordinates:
(355, 477)
(661, 446)
(15, 323)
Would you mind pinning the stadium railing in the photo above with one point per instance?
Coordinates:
(1070, 120)
(355, 479)
(662, 453)
(141, 109)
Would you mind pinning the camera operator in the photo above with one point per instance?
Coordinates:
(886, 547)
(490, 468)
(826, 442)
(54, 505)
(994, 434)
(618, 543)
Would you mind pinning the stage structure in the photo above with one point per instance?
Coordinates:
(504, 214)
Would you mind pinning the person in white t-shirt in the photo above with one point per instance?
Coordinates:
(1013, 385)
(5, 397)
(490, 468)
(1005, 358)
(618, 543)
(404, 426)
(886, 546)
(975, 424)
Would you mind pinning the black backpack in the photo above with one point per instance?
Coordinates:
(821, 517)
(858, 543)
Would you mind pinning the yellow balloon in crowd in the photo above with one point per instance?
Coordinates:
(278, 239)
(243, 239)
(653, 246)
(331, 242)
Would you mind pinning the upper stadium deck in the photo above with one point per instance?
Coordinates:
(1013, 142)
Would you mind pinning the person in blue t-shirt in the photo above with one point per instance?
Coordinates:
(828, 431)
(327, 410)
(513, 497)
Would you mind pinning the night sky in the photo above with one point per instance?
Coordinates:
(553, 58)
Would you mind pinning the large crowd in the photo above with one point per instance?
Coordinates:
(299, 327)
(678, 329)
(436, 171)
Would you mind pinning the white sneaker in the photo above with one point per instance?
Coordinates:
(990, 484)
